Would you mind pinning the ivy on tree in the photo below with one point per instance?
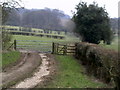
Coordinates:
(92, 23)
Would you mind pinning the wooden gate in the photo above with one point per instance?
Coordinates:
(63, 49)
(34, 45)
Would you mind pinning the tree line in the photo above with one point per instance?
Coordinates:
(47, 19)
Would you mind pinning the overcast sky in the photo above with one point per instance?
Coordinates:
(68, 5)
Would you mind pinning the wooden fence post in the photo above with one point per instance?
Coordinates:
(76, 49)
(57, 45)
(15, 44)
(53, 48)
(65, 49)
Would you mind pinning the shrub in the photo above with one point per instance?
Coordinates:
(6, 38)
(102, 63)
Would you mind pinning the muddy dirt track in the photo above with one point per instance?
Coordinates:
(29, 62)
(29, 72)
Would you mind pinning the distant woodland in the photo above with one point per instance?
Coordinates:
(48, 19)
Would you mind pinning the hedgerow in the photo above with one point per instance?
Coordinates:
(104, 64)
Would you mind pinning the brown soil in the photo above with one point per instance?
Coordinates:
(26, 65)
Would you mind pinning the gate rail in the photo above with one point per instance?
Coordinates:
(34, 45)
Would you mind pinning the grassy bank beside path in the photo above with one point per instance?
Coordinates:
(10, 58)
(71, 75)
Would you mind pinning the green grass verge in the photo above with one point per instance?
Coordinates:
(10, 58)
(70, 74)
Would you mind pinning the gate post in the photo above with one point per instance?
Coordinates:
(65, 50)
(53, 48)
(14, 44)
(76, 52)
(57, 48)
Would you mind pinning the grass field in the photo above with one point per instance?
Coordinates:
(114, 44)
(10, 58)
(70, 75)
(67, 38)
